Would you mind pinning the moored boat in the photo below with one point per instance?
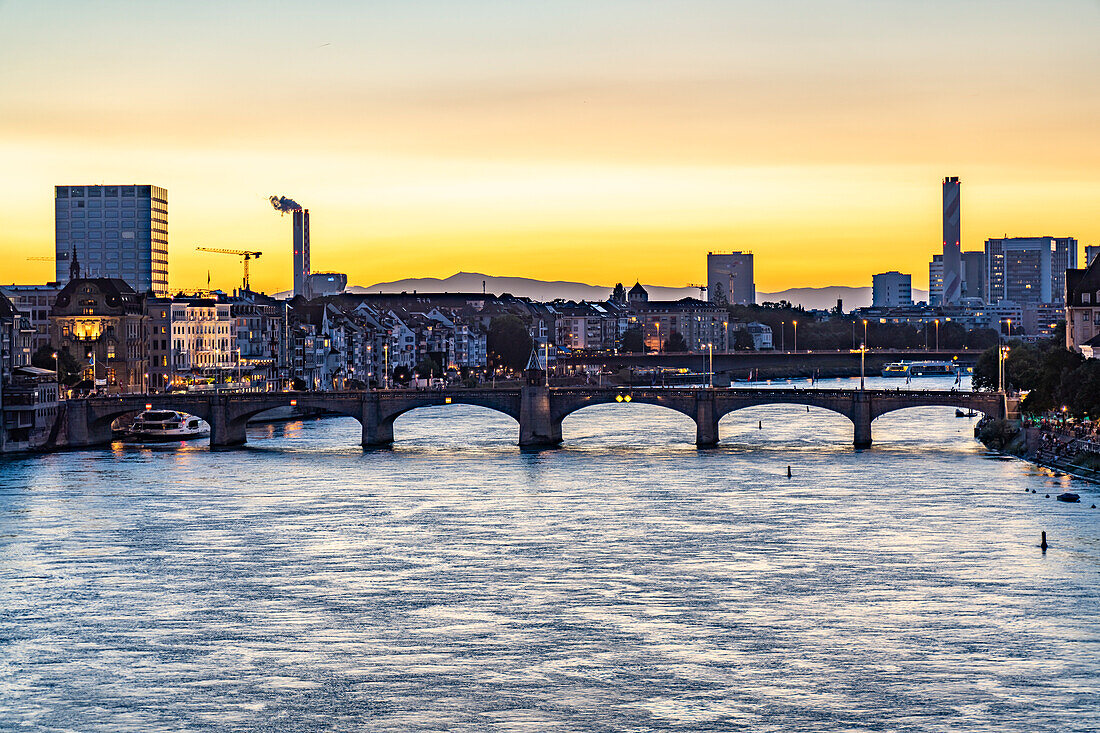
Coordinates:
(921, 369)
(166, 425)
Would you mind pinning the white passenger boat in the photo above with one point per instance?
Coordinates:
(906, 369)
(166, 425)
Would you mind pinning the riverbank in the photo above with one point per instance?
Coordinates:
(1066, 451)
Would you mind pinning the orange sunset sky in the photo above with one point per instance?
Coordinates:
(597, 141)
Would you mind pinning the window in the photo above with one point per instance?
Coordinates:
(1086, 297)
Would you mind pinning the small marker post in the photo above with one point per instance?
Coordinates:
(1043, 542)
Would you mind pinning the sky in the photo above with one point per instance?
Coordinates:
(597, 141)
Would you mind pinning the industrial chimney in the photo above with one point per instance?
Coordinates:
(301, 241)
(301, 252)
(952, 257)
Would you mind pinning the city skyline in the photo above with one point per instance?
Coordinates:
(598, 143)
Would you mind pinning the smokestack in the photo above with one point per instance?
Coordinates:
(301, 241)
(301, 252)
(952, 228)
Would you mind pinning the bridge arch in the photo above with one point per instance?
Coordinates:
(633, 414)
(101, 415)
(795, 423)
(381, 412)
(727, 409)
(563, 408)
(991, 405)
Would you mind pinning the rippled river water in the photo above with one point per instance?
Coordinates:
(626, 581)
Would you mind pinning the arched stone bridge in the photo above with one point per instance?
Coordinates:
(538, 410)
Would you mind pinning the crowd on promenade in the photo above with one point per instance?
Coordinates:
(1061, 439)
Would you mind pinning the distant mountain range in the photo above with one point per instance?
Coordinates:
(473, 282)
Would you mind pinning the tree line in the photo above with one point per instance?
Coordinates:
(1052, 376)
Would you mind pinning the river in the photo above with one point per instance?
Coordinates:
(626, 581)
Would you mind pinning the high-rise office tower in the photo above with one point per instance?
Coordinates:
(952, 229)
(301, 252)
(730, 278)
(113, 231)
(1029, 269)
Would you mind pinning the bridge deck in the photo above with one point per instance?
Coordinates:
(538, 410)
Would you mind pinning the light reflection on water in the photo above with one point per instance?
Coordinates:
(626, 581)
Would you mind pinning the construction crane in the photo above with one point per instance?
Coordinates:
(243, 254)
(702, 290)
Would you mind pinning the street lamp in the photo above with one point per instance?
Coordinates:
(783, 336)
(1002, 355)
(795, 324)
(864, 346)
(57, 372)
(937, 334)
(1009, 328)
(711, 372)
(862, 364)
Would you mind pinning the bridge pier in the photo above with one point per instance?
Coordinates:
(81, 430)
(706, 422)
(224, 430)
(377, 431)
(537, 426)
(861, 417)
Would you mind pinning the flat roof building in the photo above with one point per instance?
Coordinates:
(113, 232)
(891, 290)
(730, 278)
(1029, 269)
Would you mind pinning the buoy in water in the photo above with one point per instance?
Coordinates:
(789, 474)
(1043, 542)
(760, 425)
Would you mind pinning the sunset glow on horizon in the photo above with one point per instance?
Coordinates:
(597, 142)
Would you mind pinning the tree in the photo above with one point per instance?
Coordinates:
(633, 340)
(742, 341)
(428, 367)
(676, 342)
(69, 369)
(509, 343)
(981, 338)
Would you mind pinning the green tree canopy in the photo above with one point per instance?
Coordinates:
(633, 340)
(428, 367)
(509, 343)
(742, 341)
(676, 342)
(69, 369)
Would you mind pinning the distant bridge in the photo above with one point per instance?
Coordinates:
(538, 410)
(787, 362)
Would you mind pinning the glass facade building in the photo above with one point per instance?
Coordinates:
(114, 231)
(1029, 269)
